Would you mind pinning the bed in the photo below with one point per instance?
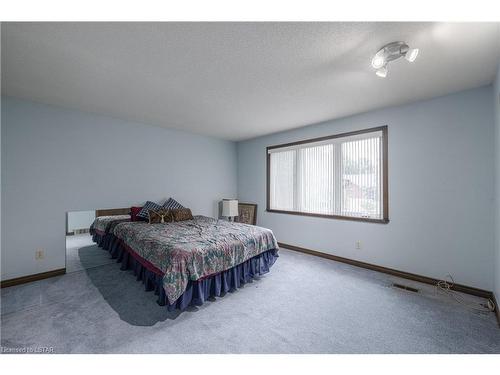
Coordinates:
(102, 228)
(187, 262)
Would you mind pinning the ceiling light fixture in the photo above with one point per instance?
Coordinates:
(382, 72)
(412, 54)
(391, 52)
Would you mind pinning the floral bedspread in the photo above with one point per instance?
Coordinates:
(107, 223)
(194, 249)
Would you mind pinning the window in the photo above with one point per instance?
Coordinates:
(340, 176)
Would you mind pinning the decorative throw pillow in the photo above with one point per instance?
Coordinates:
(144, 213)
(159, 216)
(182, 214)
(133, 213)
(172, 204)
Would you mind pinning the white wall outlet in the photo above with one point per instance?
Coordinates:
(358, 245)
(39, 254)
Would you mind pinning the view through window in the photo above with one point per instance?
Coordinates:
(340, 176)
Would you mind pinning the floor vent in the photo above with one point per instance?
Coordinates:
(405, 287)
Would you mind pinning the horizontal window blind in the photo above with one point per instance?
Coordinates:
(341, 176)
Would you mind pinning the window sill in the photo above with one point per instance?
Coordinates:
(337, 217)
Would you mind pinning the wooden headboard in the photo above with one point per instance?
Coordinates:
(112, 212)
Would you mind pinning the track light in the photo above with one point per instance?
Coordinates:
(378, 61)
(382, 72)
(411, 55)
(391, 52)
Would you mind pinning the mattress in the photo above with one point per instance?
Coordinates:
(192, 250)
(105, 224)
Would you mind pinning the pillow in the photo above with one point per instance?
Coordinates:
(172, 204)
(133, 213)
(182, 214)
(159, 216)
(144, 213)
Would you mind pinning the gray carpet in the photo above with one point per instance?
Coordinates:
(304, 305)
(82, 253)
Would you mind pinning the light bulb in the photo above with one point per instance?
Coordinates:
(411, 54)
(382, 72)
(378, 61)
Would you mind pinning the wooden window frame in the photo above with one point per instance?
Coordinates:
(385, 176)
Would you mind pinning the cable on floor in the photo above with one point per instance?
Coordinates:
(447, 288)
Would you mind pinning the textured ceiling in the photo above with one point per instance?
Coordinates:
(239, 80)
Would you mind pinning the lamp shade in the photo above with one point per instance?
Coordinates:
(229, 207)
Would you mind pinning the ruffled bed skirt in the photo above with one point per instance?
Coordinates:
(197, 292)
(102, 239)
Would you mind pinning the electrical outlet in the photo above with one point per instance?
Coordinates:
(39, 254)
(358, 245)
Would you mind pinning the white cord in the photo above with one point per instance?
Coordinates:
(446, 287)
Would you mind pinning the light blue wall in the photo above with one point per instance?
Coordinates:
(440, 190)
(441, 156)
(56, 160)
(496, 104)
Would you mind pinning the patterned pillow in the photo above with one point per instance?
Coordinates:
(172, 204)
(144, 213)
(182, 214)
(160, 216)
(133, 213)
